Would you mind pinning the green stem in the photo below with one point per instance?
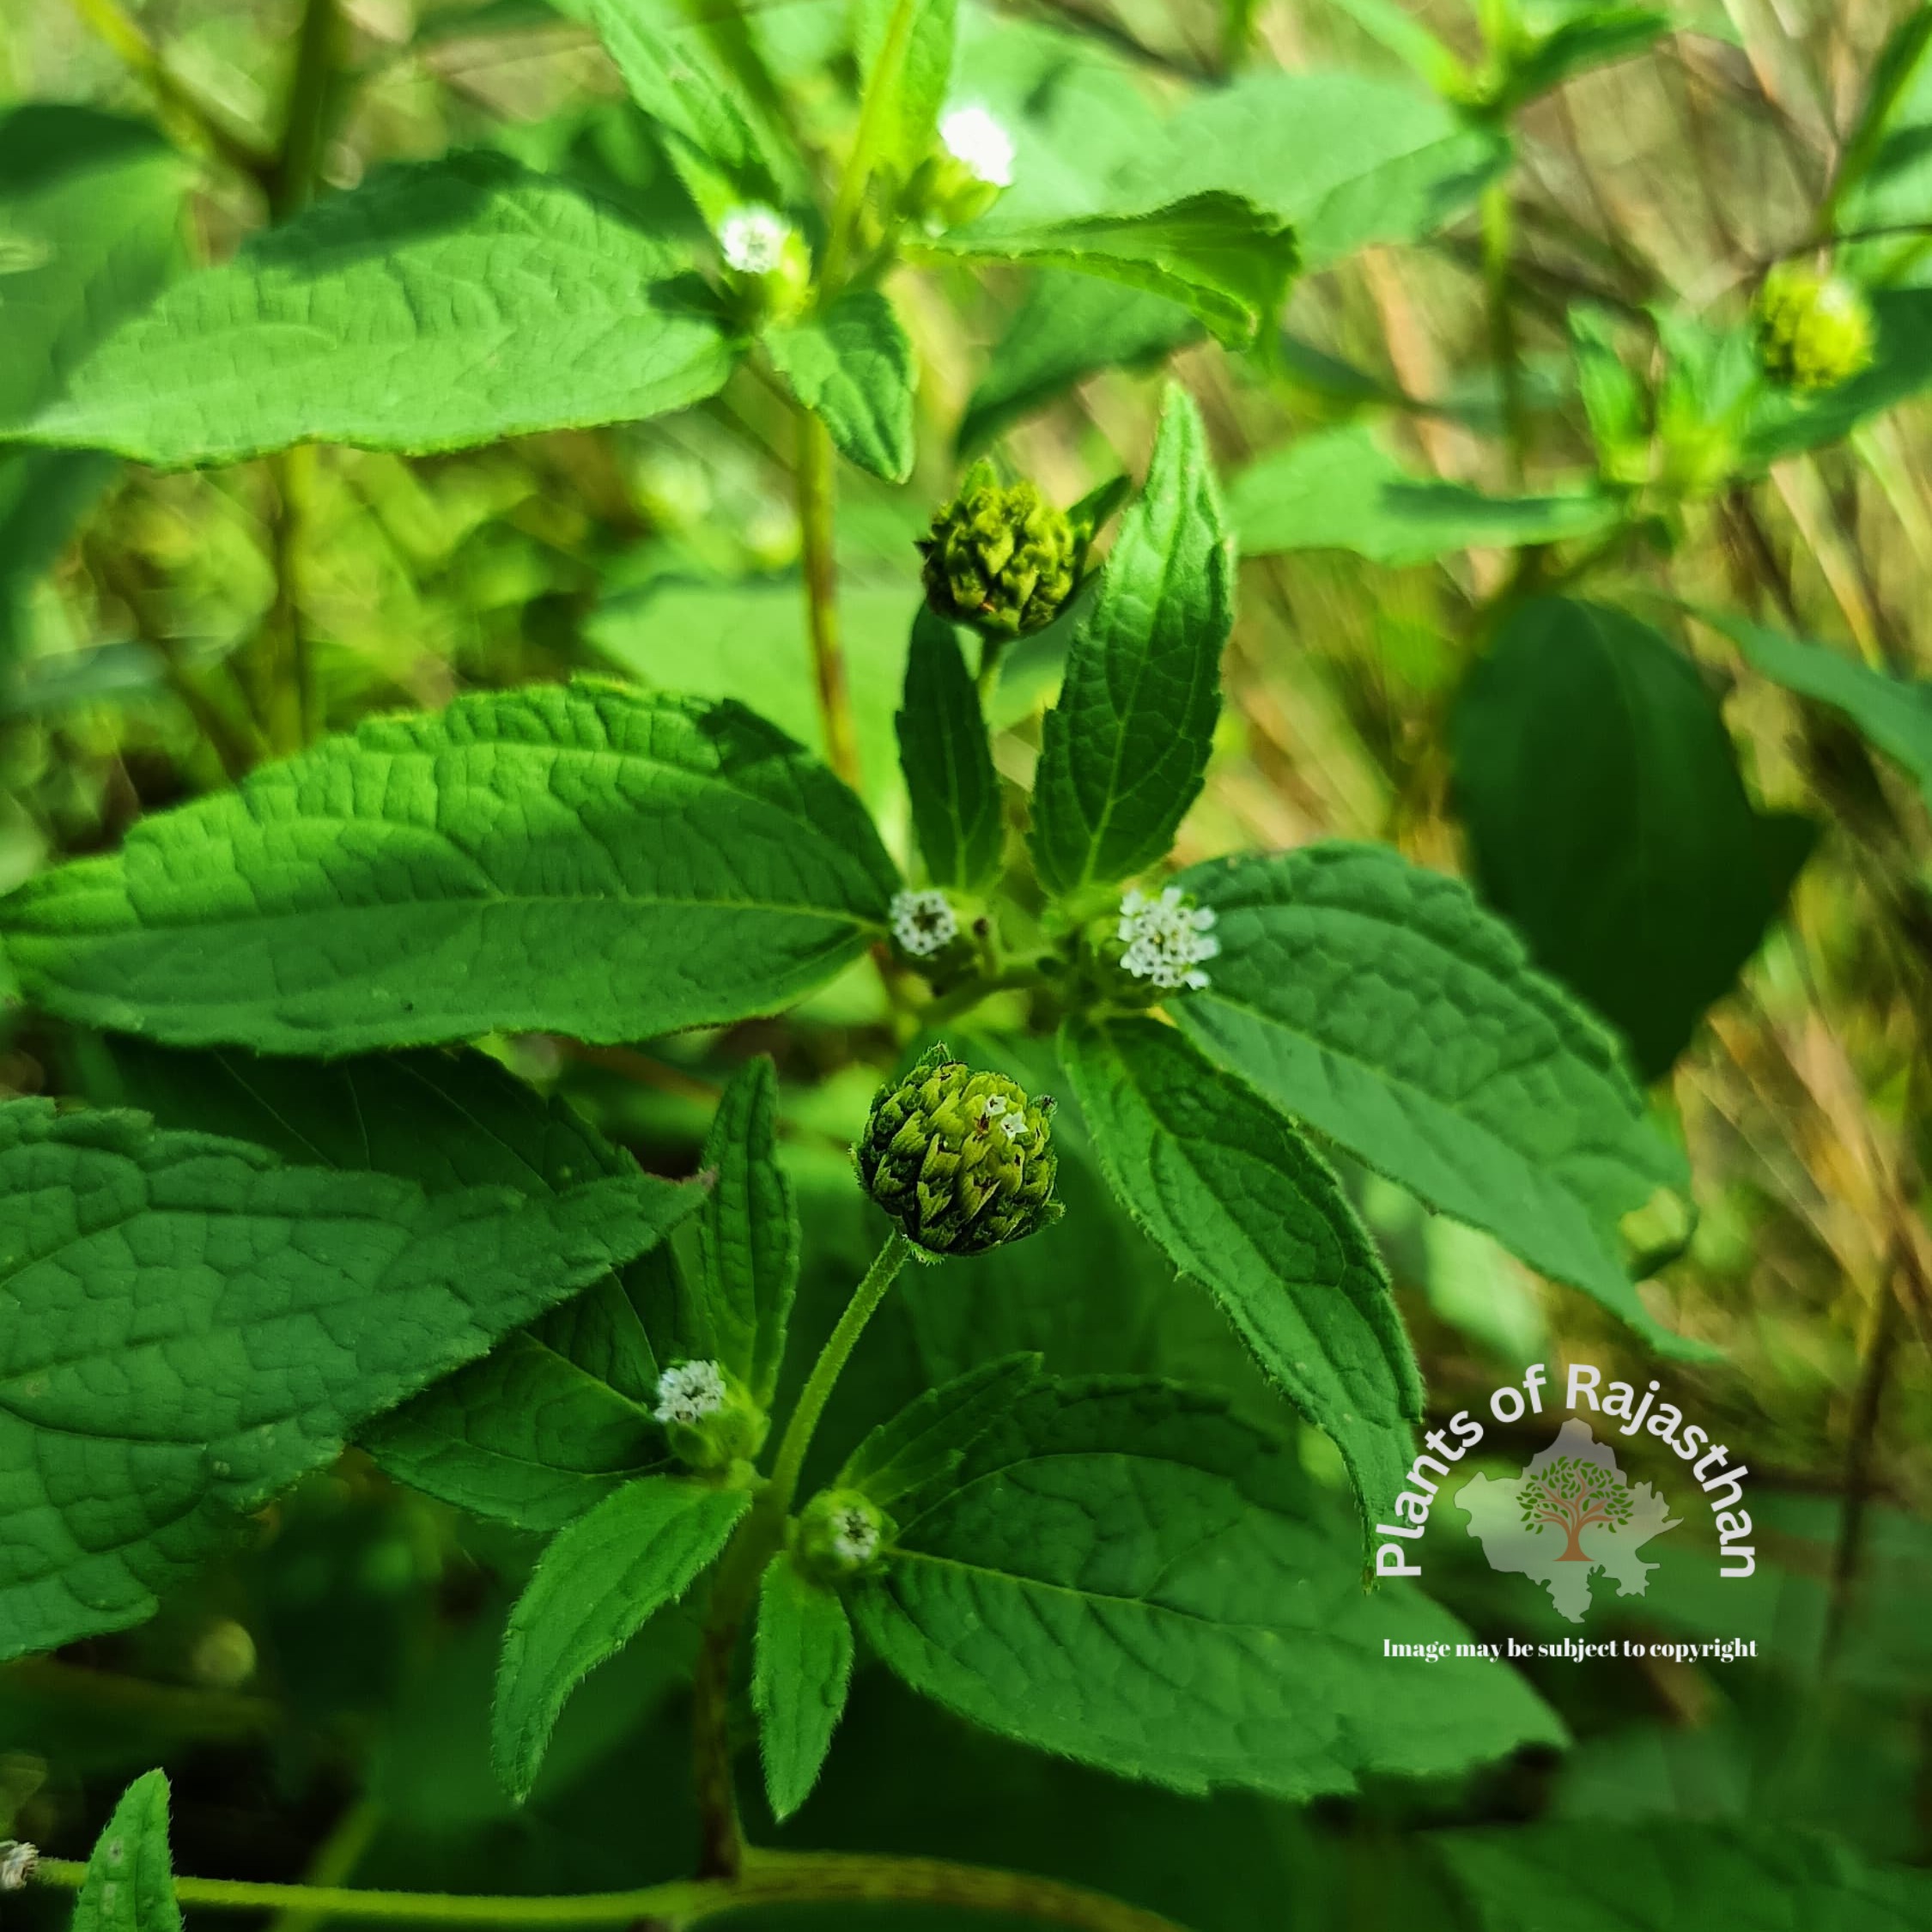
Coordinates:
(882, 100)
(769, 1879)
(722, 1852)
(826, 1370)
(305, 126)
(816, 502)
(1498, 244)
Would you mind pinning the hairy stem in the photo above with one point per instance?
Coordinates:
(722, 1852)
(305, 125)
(767, 1879)
(818, 503)
(875, 112)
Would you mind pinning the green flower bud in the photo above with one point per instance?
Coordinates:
(711, 1420)
(961, 1161)
(964, 175)
(840, 1532)
(1001, 557)
(1813, 332)
(768, 267)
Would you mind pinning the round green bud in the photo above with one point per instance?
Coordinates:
(961, 1161)
(840, 1533)
(1001, 557)
(710, 1419)
(1813, 332)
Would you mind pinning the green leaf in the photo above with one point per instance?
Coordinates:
(1345, 159)
(601, 1580)
(748, 1232)
(443, 304)
(1340, 489)
(1238, 1201)
(557, 1415)
(724, 148)
(1381, 1005)
(1124, 751)
(1613, 400)
(1596, 39)
(1609, 823)
(129, 1883)
(1067, 328)
(1406, 37)
(852, 368)
(581, 860)
(1884, 151)
(913, 114)
(1219, 255)
(947, 762)
(1125, 1574)
(1655, 1874)
(190, 1326)
(802, 1673)
(926, 1441)
(1894, 713)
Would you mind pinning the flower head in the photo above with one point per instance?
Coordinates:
(975, 140)
(961, 1161)
(689, 1392)
(768, 267)
(1000, 557)
(840, 1532)
(1166, 937)
(923, 923)
(1813, 332)
(752, 238)
(18, 1863)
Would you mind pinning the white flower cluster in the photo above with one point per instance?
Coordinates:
(752, 238)
(923, 922)
(975, 139)
(1167, 937)
(19, 1860)
(854, 1537)
(690, 1392)
(1012, 1125)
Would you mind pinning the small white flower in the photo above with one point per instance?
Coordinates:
(1015, 1128)
(18, 1861)
(690, 1392)
(971, 136)
(854, 1537)
(1167, 937)
(752, 238)
(923, 922)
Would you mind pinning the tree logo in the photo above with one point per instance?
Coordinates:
(1571, 1513)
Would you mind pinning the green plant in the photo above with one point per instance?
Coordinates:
(351, 1178)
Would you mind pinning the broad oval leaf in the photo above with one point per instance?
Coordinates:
(852, 368)
(557, 1415)
(1124, 752)
(1379, 1004)
(1346, 158)
(602, 1578)
(947, 762)
(1218, 255)
(445, 303)
(1240, 1202)
(1609, 823)
(1124, 1573)
(584, 860)
(802, 1671)
(129, 1883)
(923, 1444)
(186, 1326)
(1340, 489)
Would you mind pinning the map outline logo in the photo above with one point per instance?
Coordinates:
(1571, 1513)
